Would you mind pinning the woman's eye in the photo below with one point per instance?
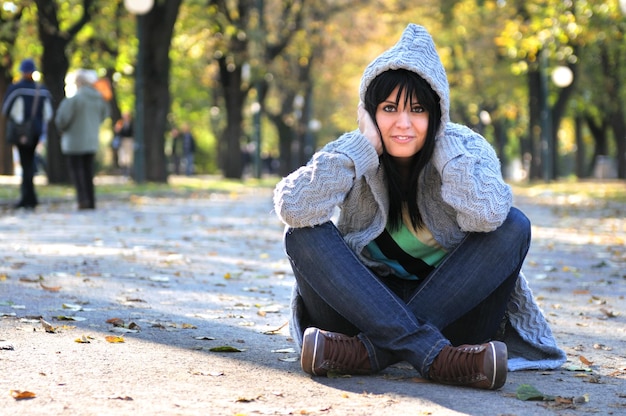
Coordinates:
(389, 108)
(418, 109)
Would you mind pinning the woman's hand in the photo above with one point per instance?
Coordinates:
(368, 129)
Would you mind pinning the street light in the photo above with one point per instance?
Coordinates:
(562, 76)
(139, 8)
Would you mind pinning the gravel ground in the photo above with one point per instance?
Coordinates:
(197, 288)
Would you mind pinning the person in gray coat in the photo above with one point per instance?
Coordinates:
(79, 118)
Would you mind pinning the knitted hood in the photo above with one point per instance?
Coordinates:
(415, 52)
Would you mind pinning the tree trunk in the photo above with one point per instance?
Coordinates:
(534, 132)
(157, 33)
(558, 111)
(613, 86)
(54, 65)
(599, 135)
(285, 138)
(619, 131)
(230, 145)
(10, 28)
(6, 150)
(499, 131)
(580, 148)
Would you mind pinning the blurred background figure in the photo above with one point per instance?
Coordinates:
(27, 102)
(123, 143)
(183, 150)
(79, 118)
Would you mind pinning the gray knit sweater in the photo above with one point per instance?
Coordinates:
(461, 190)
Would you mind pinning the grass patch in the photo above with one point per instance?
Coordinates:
(119, 187)
(606, 190)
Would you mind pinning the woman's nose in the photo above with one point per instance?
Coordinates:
(403, 119)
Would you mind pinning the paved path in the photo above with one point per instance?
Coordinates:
(185, 275)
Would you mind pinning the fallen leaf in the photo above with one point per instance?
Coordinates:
(114, 339)
(82, 340)
(207, 373)
(528, 392)
(225, 348)
(6, 346)
(285, 351)
(585, 361)
(189, 326)
(123, 330)
(135, 300)
(277, 330)
(21, 395)
(609, 314)
(115, 321)
(247, 399)
(602, 347)
(574, 367)
(47, 327)
(69, 318)
(50, 288)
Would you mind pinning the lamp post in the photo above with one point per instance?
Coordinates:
(256, 123)
(562, 77)
(139, 8)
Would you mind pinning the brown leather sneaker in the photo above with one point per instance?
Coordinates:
(480, 366)
(324, 351)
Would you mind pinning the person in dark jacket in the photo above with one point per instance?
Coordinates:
(79, 118)
(17, 107)
(183, 149)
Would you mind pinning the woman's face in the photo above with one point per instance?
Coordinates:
(403, 126)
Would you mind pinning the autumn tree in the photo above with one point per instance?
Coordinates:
(55, 64)
(9, 28)
(156, 34)
(249, 34)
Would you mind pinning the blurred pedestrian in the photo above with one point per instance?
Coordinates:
(173, 155)
(28, 108)
(183, 149)
(123, 144)
(79, 118)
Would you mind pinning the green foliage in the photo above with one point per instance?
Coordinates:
(487, 47)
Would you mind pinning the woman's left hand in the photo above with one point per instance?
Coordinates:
(368, 129)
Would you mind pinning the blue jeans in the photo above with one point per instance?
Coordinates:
(463, 301)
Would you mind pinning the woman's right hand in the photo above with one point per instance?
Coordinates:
(368, 129)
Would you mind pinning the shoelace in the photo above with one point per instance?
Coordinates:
(459, 363)
(345, 353)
